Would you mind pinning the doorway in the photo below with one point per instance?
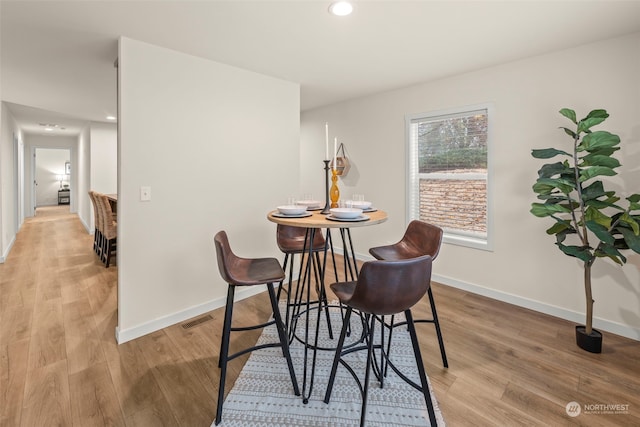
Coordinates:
(52, 177)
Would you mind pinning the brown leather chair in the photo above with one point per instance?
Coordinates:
(291, 241)
(238, 271)
(420, 238)
(383, 288)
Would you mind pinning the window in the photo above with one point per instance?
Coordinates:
(448, 173)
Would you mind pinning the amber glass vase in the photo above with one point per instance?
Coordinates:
(334, 192)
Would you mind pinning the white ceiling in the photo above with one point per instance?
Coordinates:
(57, 57)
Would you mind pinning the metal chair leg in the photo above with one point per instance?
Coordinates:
(421, 372)
(224, 351)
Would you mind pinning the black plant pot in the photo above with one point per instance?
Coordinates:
(591, 343)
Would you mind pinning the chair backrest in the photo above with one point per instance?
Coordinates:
(108, 227)
(423, 238)
(291, 239)
(225, 256)
(95, 209)
(99, 212)
(389, 287)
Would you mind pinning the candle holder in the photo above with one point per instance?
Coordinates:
(335, 191)
(326, 210)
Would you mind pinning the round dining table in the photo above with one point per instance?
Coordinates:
(313, 221)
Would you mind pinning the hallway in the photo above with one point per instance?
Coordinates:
(59, 360)
(58, 312)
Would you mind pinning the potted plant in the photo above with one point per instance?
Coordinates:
(590, 222)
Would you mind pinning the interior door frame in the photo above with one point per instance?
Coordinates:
(72, 155)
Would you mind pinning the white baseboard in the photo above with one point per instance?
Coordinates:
(85, 225)
(563, 313)
(129, 334)
(6, 252)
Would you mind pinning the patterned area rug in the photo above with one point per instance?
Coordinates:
(263, 394)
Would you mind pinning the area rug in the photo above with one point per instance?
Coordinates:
(263, 394)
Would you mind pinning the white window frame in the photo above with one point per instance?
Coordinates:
(455, 237)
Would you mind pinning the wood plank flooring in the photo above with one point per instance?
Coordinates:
(60, 364)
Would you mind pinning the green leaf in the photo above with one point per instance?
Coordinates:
(603, 151)
(570, 114)
(563, 185)
(600, 160)
(593, 171)
(593, 214)
(581, 252)
(601, 232)
(569, 132)
(543, 189)
(585, 124)
(611, 252)
(631, 239)
(593, 191)
(561, 226)
(634, 198)
(603, 204)
(598, 140)
(597, 114)
(551, 169)
(625, 218)
(547, 153)
(542, 210)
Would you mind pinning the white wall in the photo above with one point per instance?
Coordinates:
(219, 147)
(83, 180)
(525, 267)
(104, 157)
(8, 228)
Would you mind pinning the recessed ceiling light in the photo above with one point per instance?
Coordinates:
(49, 129)
(111, 118)
(341, 8)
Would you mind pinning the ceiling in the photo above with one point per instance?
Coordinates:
(57, 57)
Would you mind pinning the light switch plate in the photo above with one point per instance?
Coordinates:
(145, 194)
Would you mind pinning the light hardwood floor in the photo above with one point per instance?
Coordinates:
(60, 365)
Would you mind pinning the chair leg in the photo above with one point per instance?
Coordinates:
(111, 245)
(322, 295)
(421, 372)
(284, 268)
(224, 351)
(437, 325)
(284, 342)
(365, 385)
(336, 358)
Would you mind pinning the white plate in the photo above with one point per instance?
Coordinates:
(310, 204)
(292, 210)
(302, 215)
(371, 209)
(356, 219)
(346, 213)
(361, 205)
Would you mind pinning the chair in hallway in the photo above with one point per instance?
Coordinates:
(237, 271)
(420, 238)
(383, 288)
(97, 231)
(109, 229)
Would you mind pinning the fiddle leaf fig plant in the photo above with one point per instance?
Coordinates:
(589, 221)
